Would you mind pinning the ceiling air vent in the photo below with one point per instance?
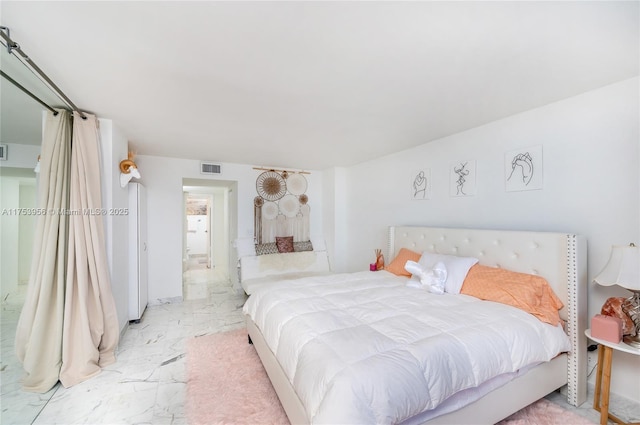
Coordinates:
(210, 168)
(3, 152)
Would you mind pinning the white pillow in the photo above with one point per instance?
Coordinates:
(432, 280)
(457, 268)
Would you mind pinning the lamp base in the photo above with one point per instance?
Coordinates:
(633, 341)
(632, 307)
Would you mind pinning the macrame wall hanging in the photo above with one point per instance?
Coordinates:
(281, 207)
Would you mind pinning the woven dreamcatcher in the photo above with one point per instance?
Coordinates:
(271, 186)
(281, 207)
(296, 184)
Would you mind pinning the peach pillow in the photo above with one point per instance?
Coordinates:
(397, 265)
(527, 292)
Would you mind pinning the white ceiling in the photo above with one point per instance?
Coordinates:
(311, 85)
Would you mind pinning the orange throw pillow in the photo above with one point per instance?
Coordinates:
(397, 265)
(527, 292)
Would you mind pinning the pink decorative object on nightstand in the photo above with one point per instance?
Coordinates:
(606, 327)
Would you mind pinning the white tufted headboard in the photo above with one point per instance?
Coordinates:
(558, 257)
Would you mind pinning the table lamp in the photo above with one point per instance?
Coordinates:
(623, 269)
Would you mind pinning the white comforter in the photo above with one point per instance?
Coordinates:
(363, 348)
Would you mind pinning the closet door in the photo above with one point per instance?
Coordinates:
(138, 281)
(143, 272)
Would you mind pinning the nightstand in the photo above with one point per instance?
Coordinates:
(603, 377)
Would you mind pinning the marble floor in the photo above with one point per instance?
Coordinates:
(147, 385)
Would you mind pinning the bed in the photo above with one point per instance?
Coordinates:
(558, 257)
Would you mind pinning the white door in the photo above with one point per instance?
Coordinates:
(142, 249)
(138, 280)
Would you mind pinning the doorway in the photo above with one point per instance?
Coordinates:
(207, 232)
(198, 213)
(17, 230)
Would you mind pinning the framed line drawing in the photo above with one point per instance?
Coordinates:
(421, 184)
(523, 169)
(462, 178)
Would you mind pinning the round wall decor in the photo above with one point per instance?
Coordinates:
(289, 205)
(296, 184)
(269, 210)
(271, 186)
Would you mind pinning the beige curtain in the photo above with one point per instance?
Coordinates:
(90, 319)
(39, 331)
(68, 327)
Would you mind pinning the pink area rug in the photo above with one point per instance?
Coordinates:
(228, 385)
(544, 412)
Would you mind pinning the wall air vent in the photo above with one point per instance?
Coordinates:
(3, 152)
(210, 168)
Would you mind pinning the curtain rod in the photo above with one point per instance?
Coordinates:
(13, 47)
(280, 171)
(33, 96)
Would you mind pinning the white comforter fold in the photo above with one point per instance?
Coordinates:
(364, 348)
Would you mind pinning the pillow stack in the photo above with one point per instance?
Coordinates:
(456, 267)
(441, 273)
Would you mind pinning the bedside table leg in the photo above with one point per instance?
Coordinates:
(596, 396)
(603, 378)
(606, 382)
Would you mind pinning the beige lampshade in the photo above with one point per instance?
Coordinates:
(623, 268)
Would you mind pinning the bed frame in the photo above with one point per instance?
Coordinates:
(558, 257)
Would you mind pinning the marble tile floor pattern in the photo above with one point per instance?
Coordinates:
(147, 385)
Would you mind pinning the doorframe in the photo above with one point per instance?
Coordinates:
(228, 189)
(207, 199)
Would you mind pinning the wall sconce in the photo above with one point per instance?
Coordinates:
(128, 170)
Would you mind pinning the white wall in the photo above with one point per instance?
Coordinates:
(16, 242)
(9, 198)
(591, 187)
(26, 230)
(334, 217)
(21, 156)
(114, 147)
(163, 178)
(220, 231)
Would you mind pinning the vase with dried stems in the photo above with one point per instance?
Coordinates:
(379, 260)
